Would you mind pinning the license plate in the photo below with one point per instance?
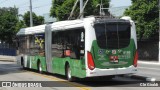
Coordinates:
(114, 59)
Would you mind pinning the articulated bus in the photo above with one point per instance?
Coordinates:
(89, 47)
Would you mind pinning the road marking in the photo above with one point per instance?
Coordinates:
(149, 68)
(81, 87)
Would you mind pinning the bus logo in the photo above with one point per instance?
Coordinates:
(101, 51)
(113, 51)
(107, 51)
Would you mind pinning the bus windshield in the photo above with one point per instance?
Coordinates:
(113, 35)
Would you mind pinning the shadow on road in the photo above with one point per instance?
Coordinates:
(98, 81)
(10, 68)
(109, 83)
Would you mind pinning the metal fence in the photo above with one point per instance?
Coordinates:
(148, 50)
(6, 49)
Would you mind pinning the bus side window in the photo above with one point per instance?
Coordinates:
(77, 44)
(57, 44)
(82, 44)
(68, 43)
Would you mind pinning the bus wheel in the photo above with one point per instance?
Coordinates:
(68, 73)
(39, 67)
(22, 63)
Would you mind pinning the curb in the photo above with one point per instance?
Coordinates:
(7, 58)
(144, 78)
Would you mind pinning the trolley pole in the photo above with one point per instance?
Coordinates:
(81, 8)
(31, 18)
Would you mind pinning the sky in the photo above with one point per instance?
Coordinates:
(41, 7)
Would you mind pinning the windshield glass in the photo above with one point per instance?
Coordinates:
(113, 35)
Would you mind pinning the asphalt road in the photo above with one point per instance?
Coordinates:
(9, 71)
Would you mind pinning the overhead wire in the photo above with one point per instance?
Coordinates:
(24, 5)
(37, 7)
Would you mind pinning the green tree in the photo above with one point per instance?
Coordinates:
(8, 21)
(37, 20)
(20, 24)
(61, 8)
(145, 13)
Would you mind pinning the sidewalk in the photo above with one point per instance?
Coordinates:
(7, 58)
(149, 62)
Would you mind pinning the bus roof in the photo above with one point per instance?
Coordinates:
(61, 25)
(32, 30)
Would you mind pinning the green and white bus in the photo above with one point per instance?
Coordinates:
(91, 47)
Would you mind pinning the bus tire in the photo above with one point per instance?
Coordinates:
(22, 63)
(39, 67)
(68, 73)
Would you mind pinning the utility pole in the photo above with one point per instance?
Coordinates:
(159, 30)
(31, 18)
(81, 8)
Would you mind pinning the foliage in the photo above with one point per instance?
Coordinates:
(62, 8)
(145, 13)
(8, 21)
(20, 24)
(37, 20)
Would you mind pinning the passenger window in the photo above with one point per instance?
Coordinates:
(68, 43)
